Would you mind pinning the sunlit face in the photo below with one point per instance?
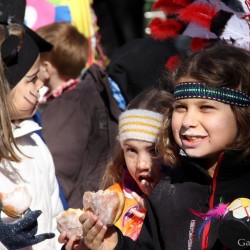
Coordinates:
(144, 165)
(25, 94)
(202, 127)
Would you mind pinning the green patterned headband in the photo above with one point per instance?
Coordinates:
(200, 90)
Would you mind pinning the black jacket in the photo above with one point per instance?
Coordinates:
(171, 225)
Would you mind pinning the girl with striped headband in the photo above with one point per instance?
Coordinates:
(137, 167)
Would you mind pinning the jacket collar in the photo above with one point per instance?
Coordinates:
(24, 127)
(192, 170)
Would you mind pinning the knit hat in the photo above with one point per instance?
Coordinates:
(140, 124)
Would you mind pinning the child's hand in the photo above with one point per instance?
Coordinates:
(96, 236)
(142, 202)
(72, 243)
(62, 238)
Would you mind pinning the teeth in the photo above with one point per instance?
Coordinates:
(194, 138)
(143, 182)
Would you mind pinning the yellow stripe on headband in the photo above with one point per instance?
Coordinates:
(139, 131)
(140, 117)
(139, 124)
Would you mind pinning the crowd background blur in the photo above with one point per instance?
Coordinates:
(135, 41)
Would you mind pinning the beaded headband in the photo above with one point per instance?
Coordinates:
(139, 124)
(200, 90)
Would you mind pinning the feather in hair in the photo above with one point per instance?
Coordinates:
(164, 29)
(198, 43)
(172, 63)
(169, 6)
(201, 14)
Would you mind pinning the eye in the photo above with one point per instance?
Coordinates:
(153, 153)
(131, 150)
(34, 79)
(206, 107)
(179, 108)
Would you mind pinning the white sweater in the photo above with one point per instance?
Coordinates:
(38, 175)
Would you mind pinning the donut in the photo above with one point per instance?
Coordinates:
(15, 203)
(68, 221)
(106, 204)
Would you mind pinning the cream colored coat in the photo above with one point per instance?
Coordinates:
(38, 175)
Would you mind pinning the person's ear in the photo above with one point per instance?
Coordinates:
(46, 69)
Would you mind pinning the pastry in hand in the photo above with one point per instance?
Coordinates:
(68, 221)
(107, 205)
(15, 203)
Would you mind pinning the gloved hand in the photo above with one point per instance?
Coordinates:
(21, 233)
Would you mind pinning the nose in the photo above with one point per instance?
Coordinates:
(143, 163)
(190, 119)
(39, 84)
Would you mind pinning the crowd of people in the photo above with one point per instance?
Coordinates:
(165, 123)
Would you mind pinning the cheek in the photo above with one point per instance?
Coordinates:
(130, 161)
(222, 129)
(176, 123)
(176, 129)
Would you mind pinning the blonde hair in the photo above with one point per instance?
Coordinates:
(8, 145)
(8, 148)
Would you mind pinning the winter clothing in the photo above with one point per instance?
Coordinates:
(37, 173)
(139, 64)
(80, 129)
(129, 224)
(169, 223)
(140, 124)
(22, 233)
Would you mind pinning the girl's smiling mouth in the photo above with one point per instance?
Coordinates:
(192, 140)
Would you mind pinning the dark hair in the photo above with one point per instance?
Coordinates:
(219, 66)
(153, 99)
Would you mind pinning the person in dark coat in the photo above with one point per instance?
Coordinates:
(82, 133)
(79, 115)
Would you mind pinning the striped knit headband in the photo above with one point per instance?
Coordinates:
(230, 96)
(139, 124)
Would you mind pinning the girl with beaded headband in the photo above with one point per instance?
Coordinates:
(210, 124)
(136, 167)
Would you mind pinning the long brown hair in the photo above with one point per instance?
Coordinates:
(153, 99)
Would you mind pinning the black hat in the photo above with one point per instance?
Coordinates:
(17, 62)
